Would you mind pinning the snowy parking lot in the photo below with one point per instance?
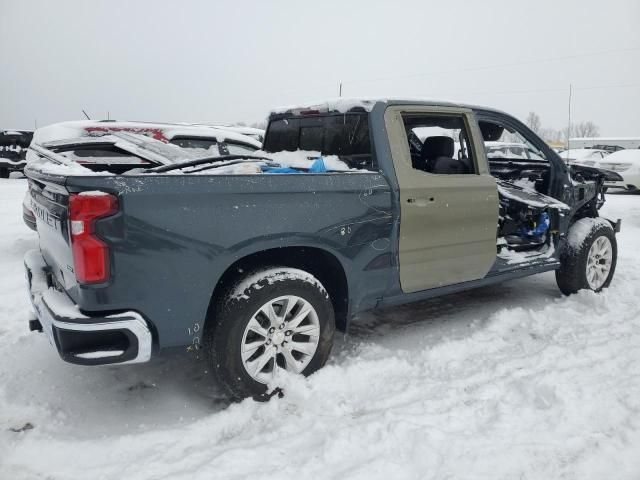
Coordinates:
(512, 381)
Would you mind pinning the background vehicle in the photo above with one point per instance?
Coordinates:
(258, 259)
(116, 147)
(116, 152)
(608, 148)
(204, 139)
(510, 150)
(584, 156)
(13, 148)
(627, 164)
(255, 133)
(605, 143)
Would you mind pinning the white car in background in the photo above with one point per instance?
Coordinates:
(626, 163)
(201, 139)
(510, 150)
(255, 133)
(119, 146)
(584, 156)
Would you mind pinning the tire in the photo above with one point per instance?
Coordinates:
(4, 173)
(575, 260)
(228, 331)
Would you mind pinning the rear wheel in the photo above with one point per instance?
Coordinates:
(589, 258)
(4, 173)
(277, 319)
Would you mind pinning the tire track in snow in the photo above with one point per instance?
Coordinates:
(511, 381)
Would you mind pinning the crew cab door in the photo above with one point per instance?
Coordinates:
(448, 212)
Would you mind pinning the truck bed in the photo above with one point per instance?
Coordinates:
(175, 235)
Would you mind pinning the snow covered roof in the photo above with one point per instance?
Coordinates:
(239, 129)
(343, 105)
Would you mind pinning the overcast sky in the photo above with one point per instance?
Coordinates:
(219, 61)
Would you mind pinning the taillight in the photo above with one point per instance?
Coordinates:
(90, 254)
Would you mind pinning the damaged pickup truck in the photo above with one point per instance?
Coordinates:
(258, 259)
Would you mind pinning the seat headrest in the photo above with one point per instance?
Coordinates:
(439, 146)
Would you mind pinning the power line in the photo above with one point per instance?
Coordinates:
(309, 88)
(569, 122)
(476, 69)
(541, 90)
(625, 85)
(497, 66)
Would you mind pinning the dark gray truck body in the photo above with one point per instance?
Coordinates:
(177, 240)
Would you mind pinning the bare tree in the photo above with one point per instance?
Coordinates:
(550, 134)
(586, 129)
(582, 129)
(533, 121)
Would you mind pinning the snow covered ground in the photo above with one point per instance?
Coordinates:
(506, 382)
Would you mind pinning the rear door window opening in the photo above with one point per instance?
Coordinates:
(439, 144)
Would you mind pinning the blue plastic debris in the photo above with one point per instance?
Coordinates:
(317, 166)
(280, 170)
(540, 229)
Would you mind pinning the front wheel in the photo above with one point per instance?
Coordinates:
(276, 319)
(589, 258)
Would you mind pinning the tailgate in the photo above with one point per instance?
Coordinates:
(49, 200)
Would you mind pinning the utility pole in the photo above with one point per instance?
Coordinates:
(569, 126)
(340, 90)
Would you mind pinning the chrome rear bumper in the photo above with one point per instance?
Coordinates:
(86, 340)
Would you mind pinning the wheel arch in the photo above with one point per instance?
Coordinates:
(319, 262)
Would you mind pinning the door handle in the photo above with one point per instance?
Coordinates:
(421, 201)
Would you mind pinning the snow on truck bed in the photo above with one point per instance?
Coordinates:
(512, 381)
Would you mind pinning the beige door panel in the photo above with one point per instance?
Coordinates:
(447, 222)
